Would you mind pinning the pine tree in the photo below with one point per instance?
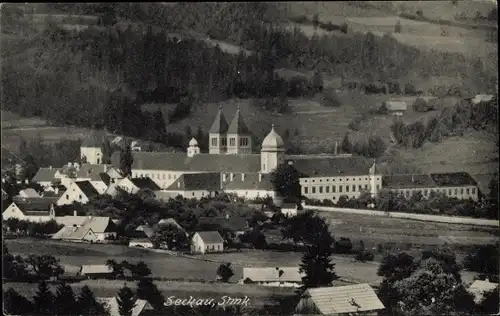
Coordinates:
(14, 303)
(346, 144)
(317, 266)
(160, 126)
(44, 300)
(147, 290)
(106, 152)
(65, 301)
(87, 304)
(126, 301)
(126, 160)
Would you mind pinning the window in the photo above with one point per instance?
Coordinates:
(313, 189)
(192, 194)
(80, 196)
(320, 189)
(353, 188)
(334, 198)
(164, 176)
(305, 180)
(334, 188)
(306, 190)
(449, 191)
(353, 179)
(366, 186)
(232, 141)
(378, 186)
(462, 191)
(244, 141)
(223, 141)
(425, 192)
(327, 189)
(214, 141)
(320, 180)
(467, 191)
(347, 179)
(407, 193)
(456, 191)
(314, 180)
(340, 188)
(473, 190)
(67, 196)
(347, 188)
(360, 187)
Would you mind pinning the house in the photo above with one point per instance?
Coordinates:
(143, 231)
(28, 193)
(272, 276)
(393, 107)
(207, 241)
(290, 209)
(248, 186)
(140, 243)
(80, 192)
(136, 145)
(132, 185)
(33, 210)
(91, 148)
(458, 185)
(171, 221)
(44, 176)
(96, 271)
(196, 185)
(482, 98)
(93, 229)
(339, 300)
(141, 307)
(480, 287)
(54, 191)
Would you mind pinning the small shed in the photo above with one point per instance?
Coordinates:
(207, 241)
(96, 271)
(140, 243)
(394, 107)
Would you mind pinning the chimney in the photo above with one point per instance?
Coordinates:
(90, 216)
(260, 177)
(336, 148)
(231, 176)
(178, 184)
(75, 213)
(242, 177)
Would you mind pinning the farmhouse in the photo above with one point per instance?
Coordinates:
(28, 193)
(80, 192)
(394, 107)
(171, 221)
(93, 229)
(480, 287)
(458, 185)
(208, 241)
(44, 176)
(33, 210)
(230, 166)
(339, 300)
(272, 276)
(141, 307)
(96, 271)
(143, 231)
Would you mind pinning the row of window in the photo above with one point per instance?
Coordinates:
(333, 179)
(448, 192)
(244, 141)
(157, 176)
(333, 188)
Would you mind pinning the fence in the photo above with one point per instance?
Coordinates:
(420, 217)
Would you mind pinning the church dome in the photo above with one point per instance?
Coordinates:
(272, 140)
(193, 142)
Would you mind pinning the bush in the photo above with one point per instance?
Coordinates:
(343, 245)
(355, 124)
(364, 255)
(420, 105)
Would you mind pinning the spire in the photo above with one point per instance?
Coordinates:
(219, 125)
(238, 125)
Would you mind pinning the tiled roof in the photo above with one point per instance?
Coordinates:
(402, 181)
(344, 299)
(197, 181)
(453, 179)
(44, 175)
(71, 220)
(96, 224)
(250, 182)
(147, 230)
(272, 274)
(483, 181)
(94, 139)
(395, 105)
(235, 223)
(211, 237)
(95, 268)
(104, 177)
(170, 221)
(238, 125)
(330, 167)
(111, 305)
(479, 287)
(88, 170)
(35, 204)
(200, 162)
(145, 183)
(30, 193)
(219, 125)
(87, 188)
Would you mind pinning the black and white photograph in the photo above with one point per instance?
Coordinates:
(288, 158)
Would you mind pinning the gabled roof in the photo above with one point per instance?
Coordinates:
(332, 166)
(42, 204)
(196, 181)
(238, 125)
(104, 177)
(200, 163)
(89, 171)
(219, 126)
(71, 220)
(145, 183)
(111, 305)
(30, 193)
(96, 269)
(272, 274)
(395, 105)
(170, 221)
(453, 179)
(147, 230)
(344, 299)
(87, 188)
(44, 175)
(402, 181)
(94, 139)
(94, 223)
(211, 237)
(250, 181)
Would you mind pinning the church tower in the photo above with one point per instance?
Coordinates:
(239, 136)
(90, 150)
(217, 134)
(272, 152)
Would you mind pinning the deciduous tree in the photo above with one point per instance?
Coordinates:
(224, 272)
(126, 160)
(285, 179)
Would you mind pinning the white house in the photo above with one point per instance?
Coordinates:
(33, 210)
(394, 107)
(290, 209)
(44, 176)
(141, 307)
(272, 276)
(208, 241)
(91, 149)
(94, 229)
(96, 271)
(80, 192)
(28, 193)
(340, 300)
(140, 243)
(132, 185)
